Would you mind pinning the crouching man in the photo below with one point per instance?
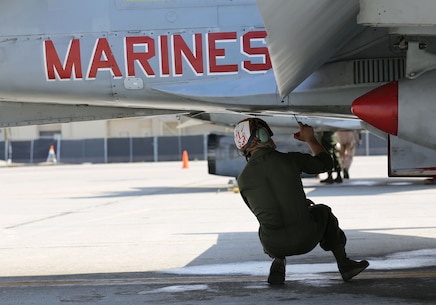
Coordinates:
(271, 186)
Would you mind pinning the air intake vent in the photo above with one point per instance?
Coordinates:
(378, 70)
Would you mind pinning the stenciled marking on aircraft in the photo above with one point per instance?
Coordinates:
(207, 53)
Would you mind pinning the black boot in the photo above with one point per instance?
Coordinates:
(348, 267)
(346, 174)
(338, 178)
(277, 271)
(329, 179)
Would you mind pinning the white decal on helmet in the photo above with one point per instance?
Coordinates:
(242, 134)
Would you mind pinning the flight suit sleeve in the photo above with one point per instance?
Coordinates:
(320, 163)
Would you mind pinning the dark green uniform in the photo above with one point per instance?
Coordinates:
(271, 186)
(329, 140)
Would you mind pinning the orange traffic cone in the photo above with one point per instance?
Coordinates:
(51, 158)
(185, 159)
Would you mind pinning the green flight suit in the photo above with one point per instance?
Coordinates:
(271, 186)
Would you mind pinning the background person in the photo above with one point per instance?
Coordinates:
(347, 149)
(329, 140)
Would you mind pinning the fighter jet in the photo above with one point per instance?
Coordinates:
(63, 61)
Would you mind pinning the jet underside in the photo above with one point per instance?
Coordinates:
(86, 60)
(390, 44)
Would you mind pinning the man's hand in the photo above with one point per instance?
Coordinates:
(305, 134)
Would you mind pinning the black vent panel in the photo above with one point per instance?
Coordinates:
(378, 70)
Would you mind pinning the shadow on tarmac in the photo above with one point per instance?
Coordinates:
(384, 285)
(238, 247)
(355, 187)
(397, 279)
(365, 187)
(149, 191)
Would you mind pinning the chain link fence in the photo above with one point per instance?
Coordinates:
(106, 150)
(141, 149)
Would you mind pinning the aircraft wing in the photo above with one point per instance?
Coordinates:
(22, 114)
(304, 34)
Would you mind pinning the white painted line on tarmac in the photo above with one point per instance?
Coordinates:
(176, 289)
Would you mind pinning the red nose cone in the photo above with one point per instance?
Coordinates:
(379, 108)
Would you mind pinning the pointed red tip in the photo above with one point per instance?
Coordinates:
(379, 108)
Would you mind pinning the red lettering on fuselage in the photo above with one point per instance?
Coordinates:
(141, 57)
(262, 52)
(164, 56)
(181, 48)
(103, 59)
(215, 53)
(167, 55)
(53, 64)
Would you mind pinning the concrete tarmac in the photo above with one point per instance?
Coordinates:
(154, 233)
